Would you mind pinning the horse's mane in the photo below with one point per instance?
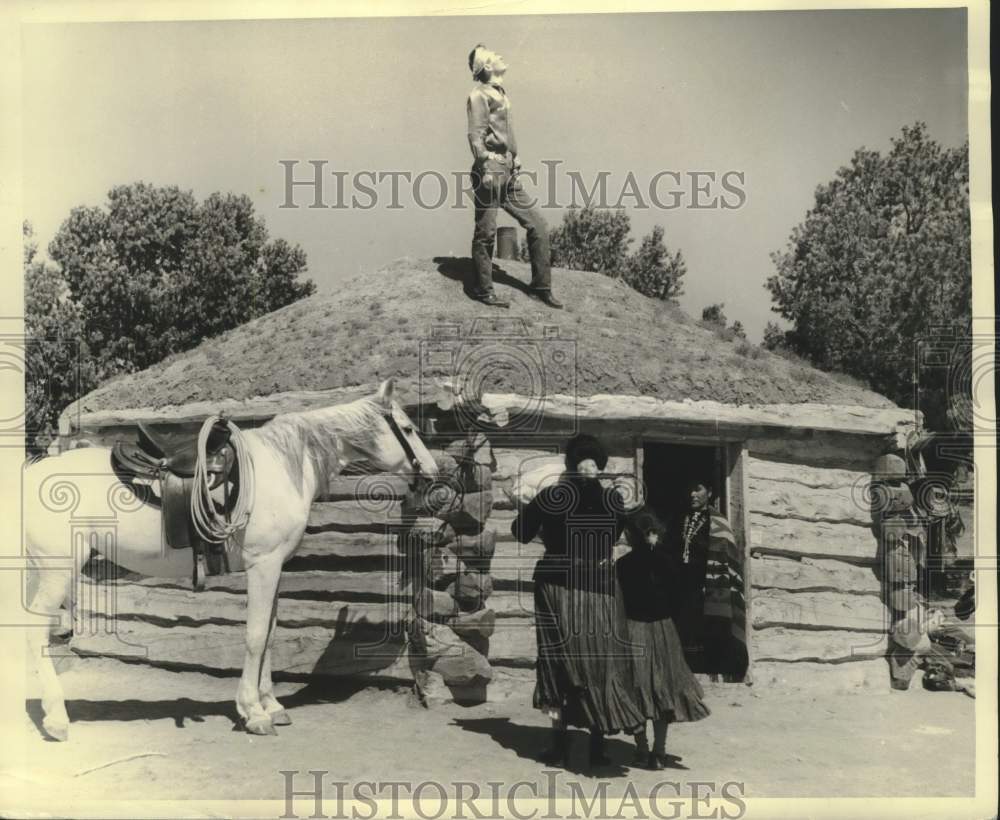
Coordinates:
(316, 435)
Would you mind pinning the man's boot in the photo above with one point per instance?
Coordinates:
(493, 300)
(546, 297)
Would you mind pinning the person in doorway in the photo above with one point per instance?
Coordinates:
(495, 182)
(583, 673)
(665, 687)
(711, 617)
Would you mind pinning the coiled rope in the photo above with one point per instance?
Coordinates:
(209, 523)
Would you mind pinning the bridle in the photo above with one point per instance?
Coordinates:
(411, 456)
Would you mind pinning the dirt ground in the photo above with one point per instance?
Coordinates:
(914, 743)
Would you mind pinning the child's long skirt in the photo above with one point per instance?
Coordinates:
(665, 687)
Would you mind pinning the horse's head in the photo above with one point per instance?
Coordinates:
(398, 447)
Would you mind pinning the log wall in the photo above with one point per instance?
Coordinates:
(816, 614)
(347, 599)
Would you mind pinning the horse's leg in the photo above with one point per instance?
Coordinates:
(279, 717)
(262, 587)
(53, 589)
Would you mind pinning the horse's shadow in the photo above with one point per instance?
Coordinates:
(183, 710)
(461, 269)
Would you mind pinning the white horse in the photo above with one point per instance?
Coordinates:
(293, 455)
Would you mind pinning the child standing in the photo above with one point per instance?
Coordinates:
(666, 689)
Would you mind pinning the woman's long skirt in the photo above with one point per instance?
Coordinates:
(666, 689)
(584, 658)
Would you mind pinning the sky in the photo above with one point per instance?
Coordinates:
(785, 98)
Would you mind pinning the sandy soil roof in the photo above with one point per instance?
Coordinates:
(380, 324)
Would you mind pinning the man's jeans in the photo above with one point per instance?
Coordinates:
(491, 193)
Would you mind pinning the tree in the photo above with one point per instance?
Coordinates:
(594, 239)
(714, 314)
(880, 264)
(155, 272)
(738, 329)
(653, 271)
(58, 368)
(774, 337)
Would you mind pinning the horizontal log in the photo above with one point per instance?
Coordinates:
(513, 568)
(815, 539)
(804, 676)
(386, 486)
(825, 478)
(307, 650)
(811, 574)
(837, 450)
(471, 447)
(510, 459)
(358, 516)
(512, 463)
(564, 411)
(823, 646)
(318, 583)
(512, 603)
(185, 607)
(818, 610)
(783, 499)
(347, 545)
(500, 522)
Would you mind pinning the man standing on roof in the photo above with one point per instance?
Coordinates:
(495, 183)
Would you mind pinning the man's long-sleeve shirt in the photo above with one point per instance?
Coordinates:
(490, 128)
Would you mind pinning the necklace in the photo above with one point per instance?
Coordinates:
(692, 525)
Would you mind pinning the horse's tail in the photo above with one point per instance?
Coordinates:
(209, 523)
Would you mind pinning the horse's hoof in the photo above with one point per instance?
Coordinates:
(261, 726)
(56, 731)
(281, 718)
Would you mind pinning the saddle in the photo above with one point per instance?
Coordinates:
(168, 456)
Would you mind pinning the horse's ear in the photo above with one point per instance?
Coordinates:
(386, 390)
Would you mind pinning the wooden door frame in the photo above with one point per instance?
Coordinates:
(737, 451)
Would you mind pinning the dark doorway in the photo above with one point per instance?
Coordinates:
(714, 646)
(667, 468)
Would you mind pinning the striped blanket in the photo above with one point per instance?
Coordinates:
(724, 582)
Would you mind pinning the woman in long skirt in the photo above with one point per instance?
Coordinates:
(665, 687)
(584, 673)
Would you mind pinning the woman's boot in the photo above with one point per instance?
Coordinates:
(641, 756)
(597, 755)
(556, 754)
(658, 757)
